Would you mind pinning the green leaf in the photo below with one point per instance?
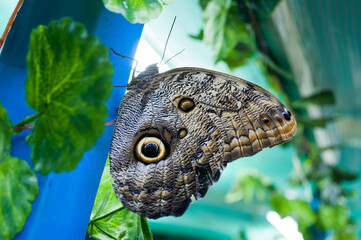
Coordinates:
(5, 133)
(238, 56)
(264, 7)
(321, 98)
(165, 2)
(69, 78)
(340, 174)
(250, 186)
(314, 122)
(137, 11)
(198, 36)
(261, 9)
(19, 187)
(110, 220)
(223, 28)
(296, 208)
(203, 3)
(333, 217)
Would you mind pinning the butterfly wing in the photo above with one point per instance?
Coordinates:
(177, 130)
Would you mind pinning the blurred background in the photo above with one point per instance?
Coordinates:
(308, 54)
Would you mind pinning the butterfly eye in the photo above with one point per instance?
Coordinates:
(182, 133)
(150, 149)
(186, 105)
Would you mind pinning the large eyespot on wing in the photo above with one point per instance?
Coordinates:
(150, 156)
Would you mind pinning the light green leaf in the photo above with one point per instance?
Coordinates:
(19, 187)
(333, 217)
(223, 28)
(5, 133)
(110, 220)
(137, 11)
(296, 208)
(250, 186)
(165, 2)
(69, 78)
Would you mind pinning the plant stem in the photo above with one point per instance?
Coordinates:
(21, 125)
(10, 22)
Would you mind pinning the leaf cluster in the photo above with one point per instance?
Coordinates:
(69, 79)
(18, 184)
(137, 11)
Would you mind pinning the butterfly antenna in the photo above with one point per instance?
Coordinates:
(166, 42)
(174, 56)
(133, 59)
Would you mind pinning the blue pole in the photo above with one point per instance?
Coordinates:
(63, 206)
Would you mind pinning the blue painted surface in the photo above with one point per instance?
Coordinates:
(63, 206)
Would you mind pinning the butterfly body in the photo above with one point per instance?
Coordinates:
(176, 131)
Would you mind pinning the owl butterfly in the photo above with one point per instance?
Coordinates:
(176, 131)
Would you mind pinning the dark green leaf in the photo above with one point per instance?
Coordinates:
(19, 187)
(223, 28)
(264, 7)
(314, 122)
(137, 11)
(110, 220)
(333, 217)
(340, 174)
(259, 8)
(199, 36)
(298, 209)
(69, 77)
(321, 98)
(250, 186)
(5, 133)
(238, 56)
(203, 3)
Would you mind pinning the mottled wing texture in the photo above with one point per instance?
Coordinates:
(229, 118)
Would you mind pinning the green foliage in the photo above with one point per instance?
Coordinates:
(340, 175)
(110, 220)
(314, 122)
(333, 217)
(137, 11)
(224, 30)
(68, 81)
(198, 36)
(69, 77)
(250, 186)
(18, 184)
(321, 98)
(5, 134)
(261, 7)
(296, 208)
(19, 187)
(227, 28)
